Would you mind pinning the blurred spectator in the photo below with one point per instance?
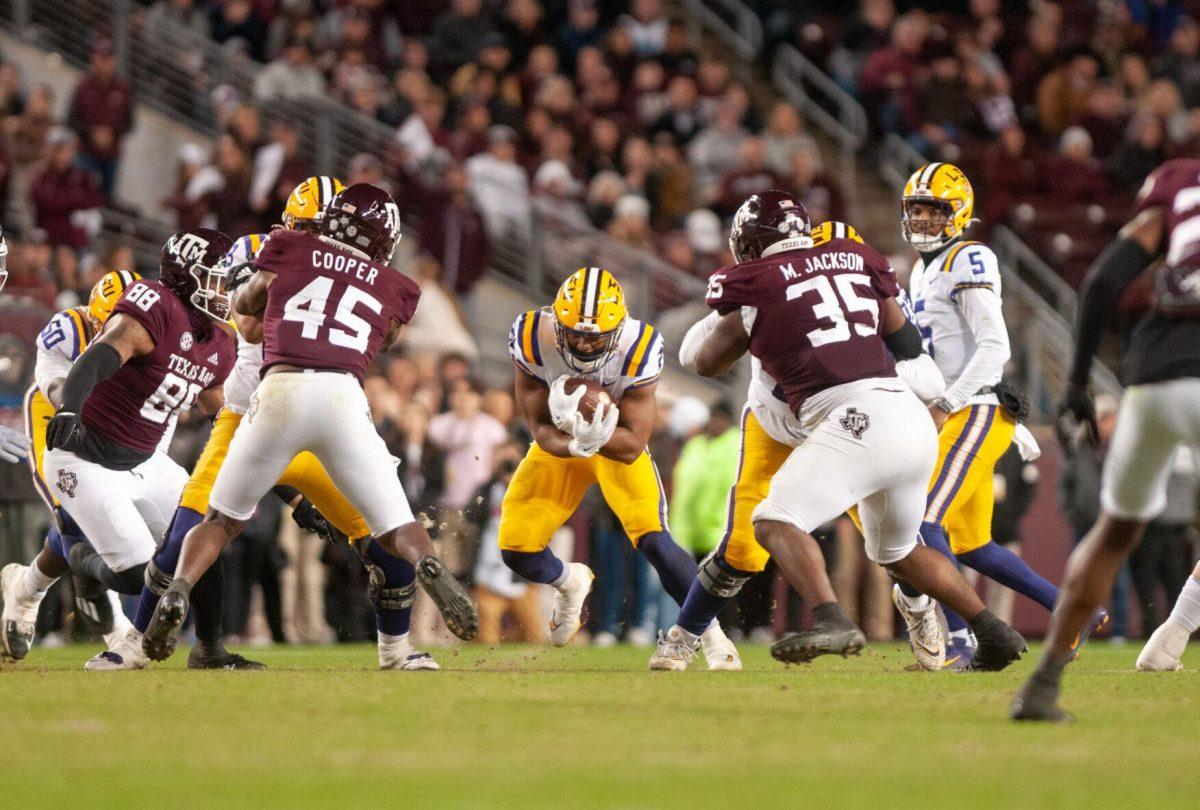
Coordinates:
(256, 559)
(230, 201)
(671, 183)
(1105, 118)
(12, 90)
(195, 181)
(102, 114)
(554, 186)
(677, 55)
(524, 28)
(278, 168)
(1015, 486)
(367, 168)
(713, 153)
(1009, 174)
(581, 30)
(454, 38)
(1033, 61)
(191, 14)
(889, 75)
(292, 75)
(65, 198)
(438, 324)
(946, 112)
(1162, 559)
(703, 476)
(705, 236)
(1073, 176)
(750, 176)
(817, 189)
(602, 195)
(454, 234)
(1063, 95)
(680, 118)
(500, 185)
(631, 222)
(29, 272)
(783, 136)
(647, 25)
(237, 21)
(1141, 153)
(1181, 62)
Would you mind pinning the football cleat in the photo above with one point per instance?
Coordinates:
(675, 650)
(126, 653)
(1099, 621)
(19, 619)
(719, 651)
(204, 656)
(924, 632)
(402, 656)
(1037, 700)
(995, 653)
(163, 631)
(91, 597)
(834, 639)
(566, 620)
(958, 655)
(1164, 648)
(447, 593)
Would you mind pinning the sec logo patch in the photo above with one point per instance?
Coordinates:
(185, 341)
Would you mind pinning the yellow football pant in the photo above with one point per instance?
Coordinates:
(305, 473)
(759, 459)
(38, 412)
(546, 490)
(961, 497)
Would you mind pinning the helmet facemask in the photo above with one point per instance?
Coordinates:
(589, 359)
(210, 296)
(925, 234)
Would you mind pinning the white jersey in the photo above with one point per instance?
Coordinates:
(243, 380)
(947, 332)
(636, 361)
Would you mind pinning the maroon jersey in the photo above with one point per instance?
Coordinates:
(132, 408)
(813, 315)
(328, 308)
(1175, 187)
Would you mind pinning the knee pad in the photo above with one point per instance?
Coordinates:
(384, 596)
(719, 578)
(156, 580)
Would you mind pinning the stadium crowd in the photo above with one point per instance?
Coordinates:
(606, 117)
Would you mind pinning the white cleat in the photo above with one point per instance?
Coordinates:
(20, 617)
(565, 621)
(719, 651)
(125, 654)
(402, 655)
(675, 650)
(1164, 648)
(924, 632)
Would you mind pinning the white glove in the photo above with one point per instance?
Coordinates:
(564, 407)
(591, 436)
(13, 445)
(1027, 446)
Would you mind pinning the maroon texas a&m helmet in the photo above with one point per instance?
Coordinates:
(769, 223)
(365, 219)
(191, 268)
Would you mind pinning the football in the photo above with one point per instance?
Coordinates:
(594, 395)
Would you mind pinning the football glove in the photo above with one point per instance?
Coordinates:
(589, 437)
(564, 407)
(238, 276)
(13, 445)
(65, 427)
(309, 518)
(1077, 408)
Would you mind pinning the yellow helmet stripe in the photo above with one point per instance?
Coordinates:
(948, 265)
(255, 243)
(636, 358)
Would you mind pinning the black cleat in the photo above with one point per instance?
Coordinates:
(91, 597)
(447, 593)
(203, 656)
(833, 639)
(1038, 700)
(159, 641)
(995, 652)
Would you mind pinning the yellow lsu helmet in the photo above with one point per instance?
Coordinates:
(946, 187)
(306, 204)
(828, 231)
(107, 293)
(589, 313)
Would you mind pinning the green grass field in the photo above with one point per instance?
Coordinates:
(579, 727)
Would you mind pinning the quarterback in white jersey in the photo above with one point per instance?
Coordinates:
(588, 333)
(955, 289)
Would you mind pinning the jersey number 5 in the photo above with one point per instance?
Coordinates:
(307, 307)
(834, 306)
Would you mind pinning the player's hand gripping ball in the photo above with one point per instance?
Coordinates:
(593, 395)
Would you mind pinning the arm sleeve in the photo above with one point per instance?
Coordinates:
(1115, 269)
(50, 366)
(694, 339)
(982, 311)
(97, 364)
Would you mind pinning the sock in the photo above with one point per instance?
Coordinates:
(33, 584)
(1187, 607)
(918, 603)
(393, 639)
(996, 562)
(397, 573)
(908, 590)
(537, 566)
(121, 624)
(207, 600)
(166, 558)
(699, 609)
(59, 544)
(933, 536)
(676, 568)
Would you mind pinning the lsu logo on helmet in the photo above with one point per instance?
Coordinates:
(107, 292)
(306, 204)
(832, 229)
(945, 187)
(589, 312)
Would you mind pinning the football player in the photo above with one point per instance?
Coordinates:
(955, 292)
(769, 433)
(13, 444)
(587, 333)
(825, 324)
(328, 303)
(392, 588)
(23, 587)
(1160, 411)
(163, 349)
